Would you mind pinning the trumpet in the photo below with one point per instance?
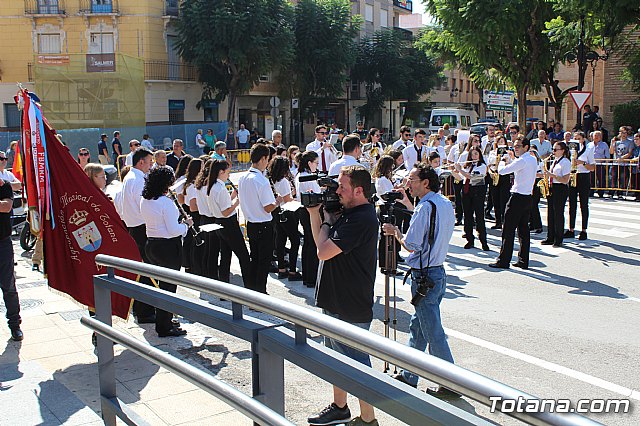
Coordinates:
(574, 169)
(543, 184)
(197, 235)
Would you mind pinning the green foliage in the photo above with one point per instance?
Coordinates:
(323, 49)
(627, 115)
(233, 42)
(392, 67)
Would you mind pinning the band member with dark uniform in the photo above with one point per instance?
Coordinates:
(523, 165)
(132, 187)
(164, 237)
(586, 164)
(308, 165)
(189, 194)
(223, 207)
(286, 222)
(7, 272)
(210, 250)
(558, 176)
(257, 203)
(473, 172)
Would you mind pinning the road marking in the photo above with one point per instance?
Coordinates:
(583, 377)
(634, 299)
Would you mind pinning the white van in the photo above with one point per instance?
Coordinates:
(457, 118)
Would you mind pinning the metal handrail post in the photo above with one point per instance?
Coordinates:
(106, 366)
(229, 395)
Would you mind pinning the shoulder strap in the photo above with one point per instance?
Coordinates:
(431, 234)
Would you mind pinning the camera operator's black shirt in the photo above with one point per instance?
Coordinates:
(347, 280)
(5, 218)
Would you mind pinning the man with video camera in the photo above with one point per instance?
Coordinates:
(347, 247)
(427, 239)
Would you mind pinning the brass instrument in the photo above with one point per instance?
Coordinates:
(543, 184)
(574, 169)
(197, 235)
(495, 176)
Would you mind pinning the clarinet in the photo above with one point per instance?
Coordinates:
(197, 235)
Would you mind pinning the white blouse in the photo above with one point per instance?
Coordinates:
(310, 186)
(161, 217)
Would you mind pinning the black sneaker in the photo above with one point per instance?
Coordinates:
(331, 415)
(583, 236)
(569, 234)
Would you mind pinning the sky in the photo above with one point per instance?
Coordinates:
(418, 7)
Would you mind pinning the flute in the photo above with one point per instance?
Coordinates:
(197, 235)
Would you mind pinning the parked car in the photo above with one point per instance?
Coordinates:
(457, 118)
(480, 128)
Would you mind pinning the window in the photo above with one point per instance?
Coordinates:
(468, 86)
(355, 86)
(440, 120)
(384, 18)
(453, 84)
(265, 78)
(368, 12)
(176, 111)
(210, 110)
(11, 115)
(101, 6)
(101, 43)
(48, 7)
(49, 43)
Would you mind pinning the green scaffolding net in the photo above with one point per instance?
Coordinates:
(91, 90)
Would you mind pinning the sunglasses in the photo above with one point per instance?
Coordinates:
(321, 133)
(136, 144)
(83, 153)
(3, 158)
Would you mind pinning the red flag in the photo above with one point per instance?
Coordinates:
(17, 163)
(82, 224)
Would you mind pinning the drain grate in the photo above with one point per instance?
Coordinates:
(24, 286)
(24, 304)
(73, 315)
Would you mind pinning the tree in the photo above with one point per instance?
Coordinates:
(392, 67)
(324, 41)
(495, 48)
(233, 42)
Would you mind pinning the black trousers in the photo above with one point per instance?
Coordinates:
(488, 182)
(473, 206)
(500, 194)
(535, 221)
(232, 241)
(139, 234)
(457, 192)
(581, 191)
(310, 262)
(516, 216)
(211, 251)
(8, 283)
(187, 242)
(261, 246)
(166, 252)
(555, 212)
(287, 230)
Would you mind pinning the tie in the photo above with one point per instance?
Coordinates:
(467, 182)
(418, 153)
(324, 161)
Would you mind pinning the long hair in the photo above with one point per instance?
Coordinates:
(278, 169)
(479, 151)
(217, 166)
(157, 183)
(306, 158)
(384, 167)
(183, 164)
(369, 139)
(192, 173)
(203, 176)
(291, 150)
(470, 142)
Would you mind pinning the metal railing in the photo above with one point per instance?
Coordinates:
(88, 7)
(44, 7)
(273, 343)
(169, 71)
(240, 159)
(616, 176)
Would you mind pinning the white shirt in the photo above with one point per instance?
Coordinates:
(589, 156)
(161, 217)
(455, 152)
(346, 160)
(200, 143)
(202, 200)
(178, 185)
(310, 186)
(146, 143)
(293, 170)
(283, 187)
(314, 146)
(477, 174)
(128, 160)
(524, 171)
(8, 176)
(190, 194)
(440, 150)
(400, 144)
(561, 167)
(242, 135)
(383, 185)
(544, 147)
(219, 199)
(410, 155)
(330, 156)
(255, 194)
(132, 187)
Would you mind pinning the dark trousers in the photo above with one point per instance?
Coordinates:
(516, 216)
(457, 192)
(535, 220)
(232, 241)
(555, 212)
(487, 186)
(473, 206)
(635, 184)
(310, 260)
(581, 191)
(500, 194)
(287, 230)
(166, 252)
(8, 283)
(139, 234)
(261, 246)
(211, 251)
(187, 242)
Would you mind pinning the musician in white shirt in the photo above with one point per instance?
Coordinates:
(585, 159)
(474, 189)
(310, 262)
(558, 176)
(208, 253)
(405, 138)
(164, 234)
(191, 262)
(417, 152)
(351, 151)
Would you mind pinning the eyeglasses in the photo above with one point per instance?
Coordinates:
(83, 153)
(375, 136)
(136, 144)
(407, 134)
(3, 158)
(321, 133)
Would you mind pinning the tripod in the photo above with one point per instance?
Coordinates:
(390, 269)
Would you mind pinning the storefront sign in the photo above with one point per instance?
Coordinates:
(53, 59)
(101, 62)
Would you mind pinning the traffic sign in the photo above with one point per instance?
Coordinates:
(294, 103)
(274, 101)
(580, 98)
(275, 112)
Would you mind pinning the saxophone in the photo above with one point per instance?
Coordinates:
(543, 184)
(495, 176)
(574, 169)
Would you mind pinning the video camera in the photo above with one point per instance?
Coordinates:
(327, 198)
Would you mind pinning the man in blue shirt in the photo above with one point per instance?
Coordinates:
(426, 259)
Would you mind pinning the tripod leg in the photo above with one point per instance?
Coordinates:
(386, 295)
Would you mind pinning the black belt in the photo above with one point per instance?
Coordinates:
(164, 239)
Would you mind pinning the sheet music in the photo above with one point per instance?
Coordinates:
(210, 227)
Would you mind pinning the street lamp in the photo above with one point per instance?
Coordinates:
(583, 58)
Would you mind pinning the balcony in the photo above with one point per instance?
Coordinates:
(404, 4)
(169, 71)
(44, 7)
(99, 7)
(171, 7)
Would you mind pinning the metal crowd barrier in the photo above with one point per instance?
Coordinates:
(240, 159)
(619, 176)
(272, 343)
